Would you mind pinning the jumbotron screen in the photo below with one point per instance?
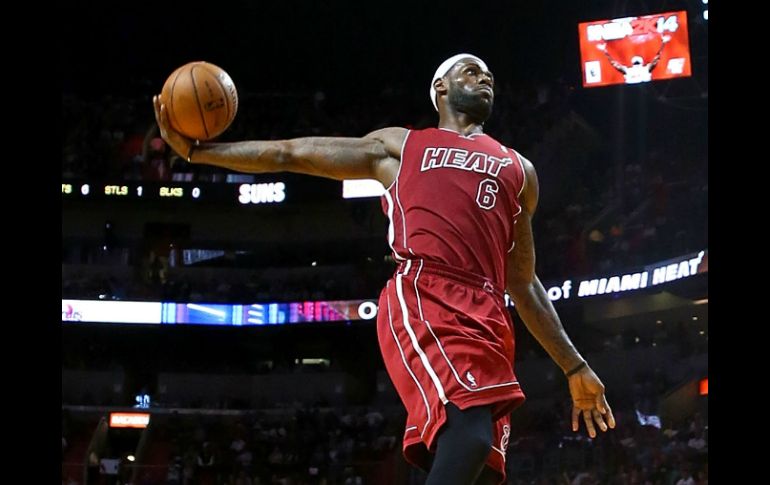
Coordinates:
(634, 50)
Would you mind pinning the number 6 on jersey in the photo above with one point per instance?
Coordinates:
(486, 197)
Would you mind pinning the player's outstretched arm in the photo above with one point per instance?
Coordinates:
(540, 317)
(376, 155)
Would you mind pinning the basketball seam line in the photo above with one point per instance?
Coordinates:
(198, 100)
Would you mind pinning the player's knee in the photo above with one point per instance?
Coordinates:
(478, 439)
(479, 443)
(472, 428)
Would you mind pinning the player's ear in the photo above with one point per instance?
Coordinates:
(440, 86)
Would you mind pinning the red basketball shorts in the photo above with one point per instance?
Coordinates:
(446, 336)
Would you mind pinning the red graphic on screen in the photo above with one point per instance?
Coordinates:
(634, 50)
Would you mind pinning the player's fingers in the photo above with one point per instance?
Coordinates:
(601, 403)
(160, 115)
(599, 420)
(608, 415)
(163, 123)
(575, 414)
(589, 423)
(156, 107)
(604, 408)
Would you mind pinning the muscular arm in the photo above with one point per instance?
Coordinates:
(528, 294)
(540, 317)
(376, 155)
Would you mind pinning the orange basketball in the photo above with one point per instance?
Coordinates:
(200, 99)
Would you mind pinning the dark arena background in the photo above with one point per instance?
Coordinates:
(219, 328)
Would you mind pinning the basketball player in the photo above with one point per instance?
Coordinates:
(638, 71)
(460, 206)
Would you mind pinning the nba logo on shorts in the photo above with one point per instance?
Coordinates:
(471, 379)
(593, 72)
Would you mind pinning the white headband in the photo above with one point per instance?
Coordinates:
(446, 66)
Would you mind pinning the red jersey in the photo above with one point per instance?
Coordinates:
(454, 201)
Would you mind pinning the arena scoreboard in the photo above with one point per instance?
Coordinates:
(632, 50)
(273, 192)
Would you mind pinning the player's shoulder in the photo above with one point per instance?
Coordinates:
(526, 163)
(392, 138)
(390, 133)
(530, 174)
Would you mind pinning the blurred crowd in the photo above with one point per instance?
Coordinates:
(273, 446)
(303, 445)
(635, 453)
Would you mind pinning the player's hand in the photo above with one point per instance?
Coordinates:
(602, 47)
(588, 399)
(175, 140)
(666, 38)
